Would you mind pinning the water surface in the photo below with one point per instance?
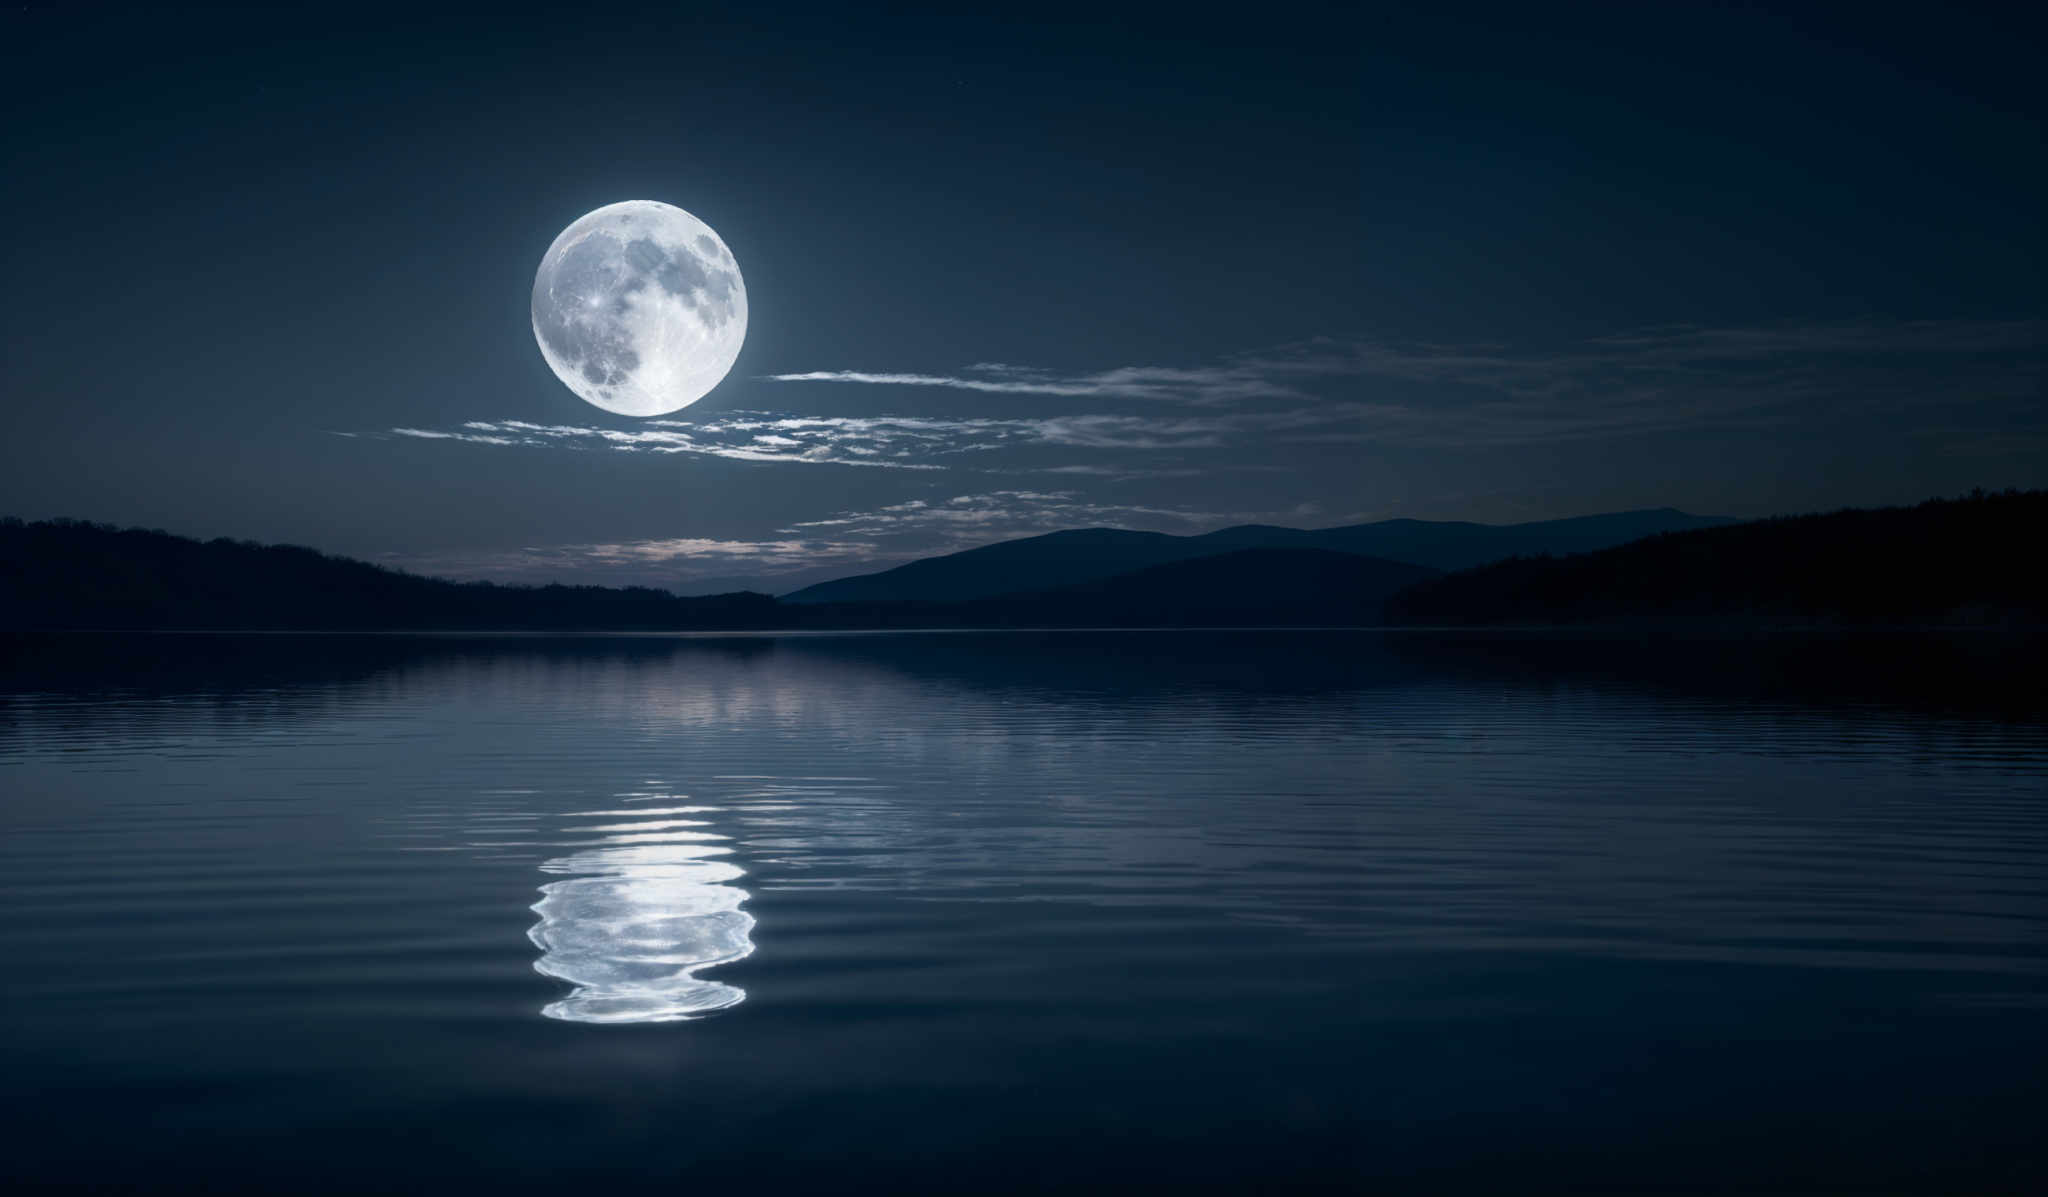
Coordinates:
(965, 912)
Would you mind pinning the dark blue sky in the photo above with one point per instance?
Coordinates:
(269, 274)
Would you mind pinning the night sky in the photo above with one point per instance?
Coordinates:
(268, 277)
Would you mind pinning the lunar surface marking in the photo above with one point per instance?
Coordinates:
(639, 308)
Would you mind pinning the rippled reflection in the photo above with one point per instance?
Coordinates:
(639, 915)
(1278, 892)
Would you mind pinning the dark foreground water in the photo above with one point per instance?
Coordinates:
(970, 913)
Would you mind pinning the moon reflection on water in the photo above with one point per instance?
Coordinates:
(636, 916)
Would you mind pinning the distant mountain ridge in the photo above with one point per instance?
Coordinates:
(1945, 562)
(1291, 586)
(1941, 564)
(72, 574)
(67, 574)
(1069, 558)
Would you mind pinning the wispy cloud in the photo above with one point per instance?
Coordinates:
(1694, 379)
(1229, 382)
(968, 519)
(853, 540)
(1427, 396)
(887, 442)
(1649, 380)
(972, 434)
(667, 561)
(1096, 443)
(737, 443)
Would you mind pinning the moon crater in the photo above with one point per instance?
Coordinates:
(639, 308)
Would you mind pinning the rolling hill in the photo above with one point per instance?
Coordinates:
(1069, 558)
(1011, 567)
(1945, 562)
(1282, 586)
(70, 574)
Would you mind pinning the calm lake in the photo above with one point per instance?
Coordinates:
(1026, 911)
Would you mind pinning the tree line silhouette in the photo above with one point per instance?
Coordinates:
(1966, 561)
(74, 574)
(1971, 560)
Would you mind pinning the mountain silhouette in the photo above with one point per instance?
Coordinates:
(70, 574)
(1945, 561)
(1010, 567)
(1249, 586)
(1089, 554)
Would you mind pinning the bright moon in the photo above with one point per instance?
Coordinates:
(639, 308)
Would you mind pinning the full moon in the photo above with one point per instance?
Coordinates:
(639, 308)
